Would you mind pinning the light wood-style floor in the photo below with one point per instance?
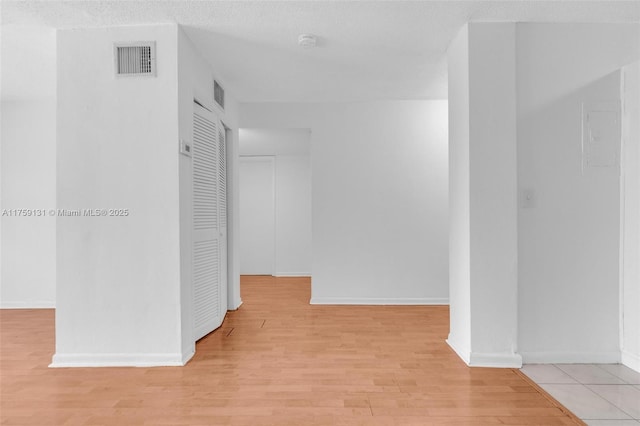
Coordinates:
(275, 361)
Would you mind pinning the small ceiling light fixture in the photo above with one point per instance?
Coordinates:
(307, 41)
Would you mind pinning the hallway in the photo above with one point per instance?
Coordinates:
(275, 361)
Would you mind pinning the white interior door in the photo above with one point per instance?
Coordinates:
(206, 232)
(257, 215)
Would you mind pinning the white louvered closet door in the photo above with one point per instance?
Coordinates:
(208, 313)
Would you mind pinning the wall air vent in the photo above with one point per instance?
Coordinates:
(218, 94)
(135, 59)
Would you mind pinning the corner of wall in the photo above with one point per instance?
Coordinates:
(630, 360)
(116, 149)
(188, 354)
(463, 352)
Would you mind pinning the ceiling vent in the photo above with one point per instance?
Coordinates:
(136, 59)
(218, 94)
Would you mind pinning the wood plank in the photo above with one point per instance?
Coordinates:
(276, 361)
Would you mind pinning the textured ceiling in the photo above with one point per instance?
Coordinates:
(367, 50)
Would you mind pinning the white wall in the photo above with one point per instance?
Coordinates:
(117, 149)
(28, 53)
(293, 216)
(569, 239)
(483, 196)
(631, 217)
(493, 194)
(567, 267)
(459, 197)
(28, 277)
(278, 142)
(257, 215)
(290, 148)
(379, 197)
(195, 80)
(28, 170)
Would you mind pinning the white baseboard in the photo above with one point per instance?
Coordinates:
(496, 360)
(119, 360)
(31, 304)
(570, 357)
(493, 360)
(631, 360)
(378, 301)
(293, 274)
(186, 357)
(463, 353)
(235, 308)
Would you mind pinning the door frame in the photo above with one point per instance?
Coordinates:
(234, 299)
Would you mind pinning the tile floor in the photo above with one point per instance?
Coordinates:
(599, 394)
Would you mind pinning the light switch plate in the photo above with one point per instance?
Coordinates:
(601, 136)
(185, 148)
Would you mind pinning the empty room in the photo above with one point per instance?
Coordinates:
(342, 212)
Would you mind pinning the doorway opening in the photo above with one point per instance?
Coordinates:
(275, 202)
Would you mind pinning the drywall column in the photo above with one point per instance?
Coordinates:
(195, 80)
(630, 217)
(483, 227)
(459, 209)
(569, 239)
(118, 271)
